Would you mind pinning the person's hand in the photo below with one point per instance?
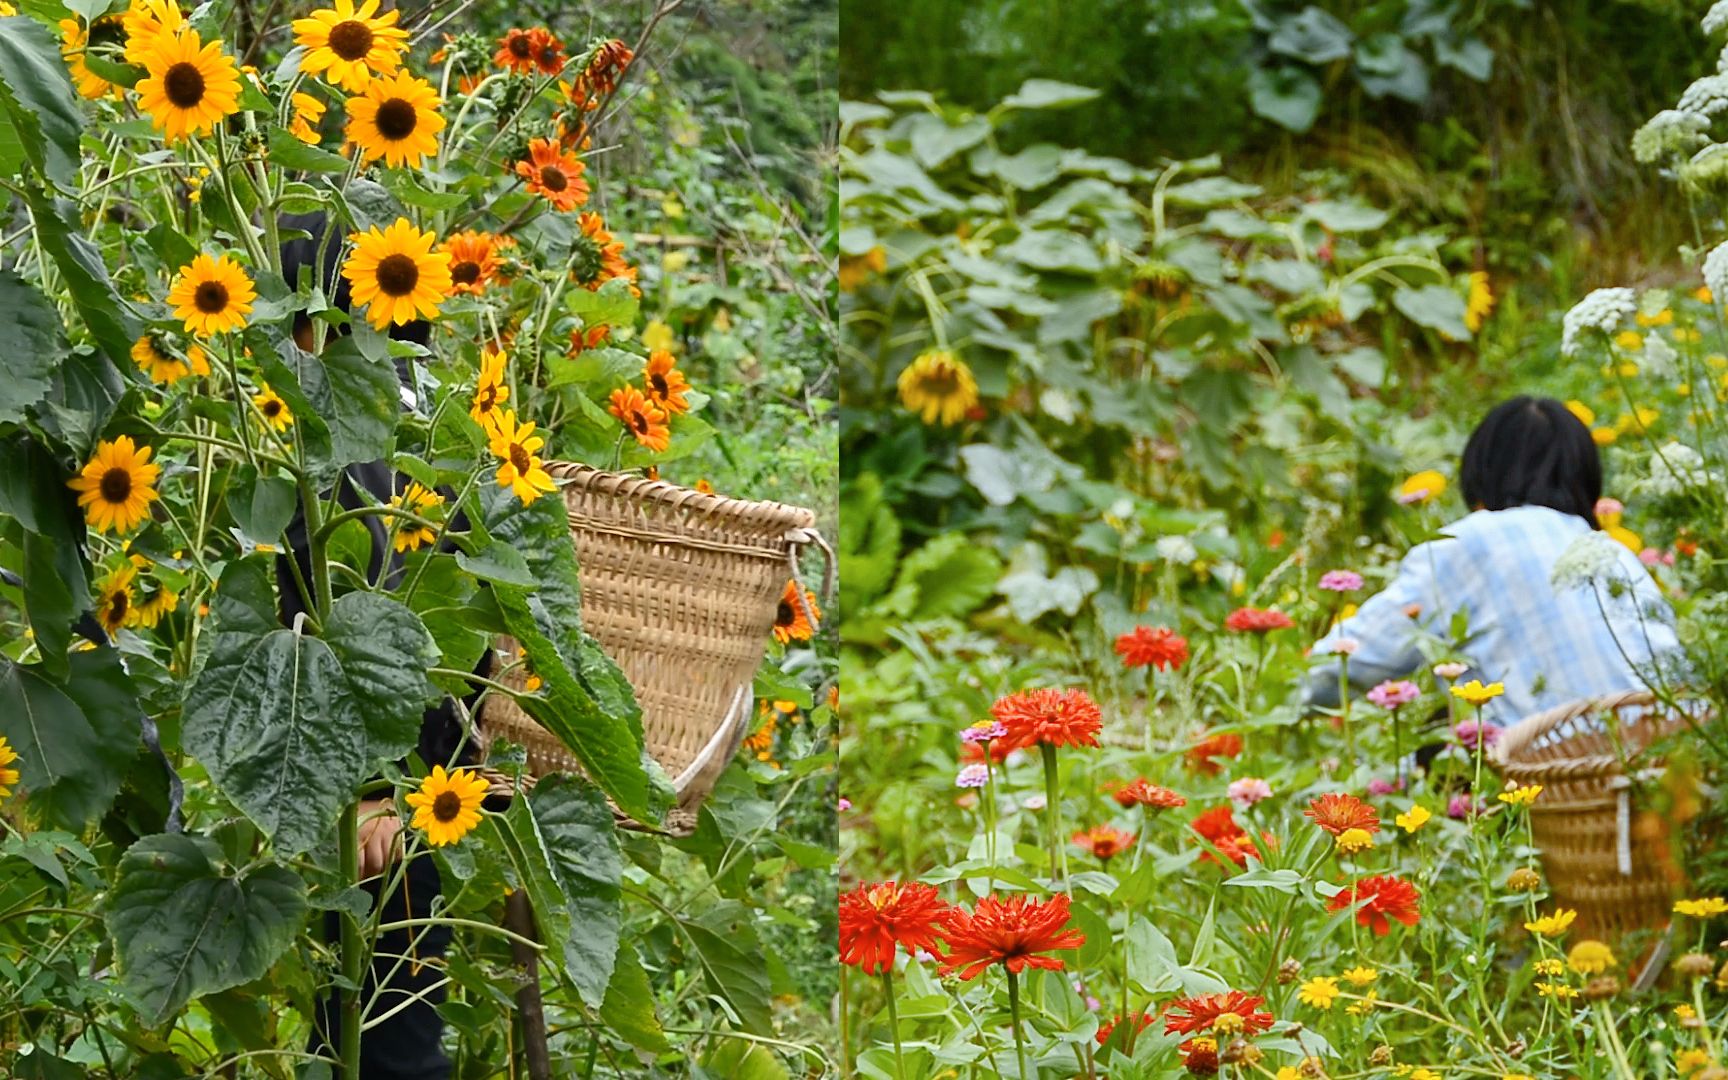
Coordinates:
(380, 836)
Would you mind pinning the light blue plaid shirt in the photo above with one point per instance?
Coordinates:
(1548, 647)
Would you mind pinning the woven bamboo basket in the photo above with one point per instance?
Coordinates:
(1602, 855)
(682, 590)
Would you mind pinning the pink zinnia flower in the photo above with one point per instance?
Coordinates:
(1656, 557)
(973, 776)
(1344, 646)
(1460, 806)
(1468, 730)
(983, 731)
(1340, 581)
(1378, 786)
(1248, 791)
(1394, 693)
(845, 804)
(1451, 669)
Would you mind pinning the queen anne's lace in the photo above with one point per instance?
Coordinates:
(1716, 270)
(1716, 18)
(1674, 468)
(1602, 310)
(1706, 96)
(1658, 359)
(1670, 133)
(1592, 558)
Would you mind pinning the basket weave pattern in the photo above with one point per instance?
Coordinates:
(1602, 856)
(681, 589)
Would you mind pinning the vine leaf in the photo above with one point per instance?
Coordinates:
(186, 924)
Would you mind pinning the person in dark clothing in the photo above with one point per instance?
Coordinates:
(406, 1045)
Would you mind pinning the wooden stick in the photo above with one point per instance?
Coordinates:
(519, 917)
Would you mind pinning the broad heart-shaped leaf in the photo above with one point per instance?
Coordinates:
(36, 94)
(186, 925)
(561, 839)
(31, 345)
(355, 400)
(56, 583)
(629, 1005)
(1436, 307)
(738, 976)
(287, 724)
(111, 326)
(73, 738)
(1288, 96)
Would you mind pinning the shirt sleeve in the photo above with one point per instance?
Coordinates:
(1384, 629)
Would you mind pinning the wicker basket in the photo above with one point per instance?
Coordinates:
(682, 590)
(1603, 856)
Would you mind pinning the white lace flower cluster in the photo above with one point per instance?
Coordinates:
(1671, 133)
(1674, 468)
(1707, 96)
(1602, 310)
(1716, 19)
(1593, 557)
(1176, 549)
(1716, 270)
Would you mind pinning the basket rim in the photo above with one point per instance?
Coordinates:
(1506, 752)
(720, 510)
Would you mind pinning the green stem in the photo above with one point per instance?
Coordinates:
(318, 548)
(1014, 1013)
(353, 948)
(894, 1021)
(1052, 811)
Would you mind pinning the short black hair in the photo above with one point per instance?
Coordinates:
(1532, 451)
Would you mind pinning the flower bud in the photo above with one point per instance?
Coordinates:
(1289, 971)
(1694, 966)
(1381, 1057)
(1523, 879)
(1601, 988)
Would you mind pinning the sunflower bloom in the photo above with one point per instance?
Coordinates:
(273, 409)
(308, 114)
(791, 623)
(597, 257)
(1480, 301)
(146, 20)
(519, 469)
(641, 417)
(190, 86)
(8, 775)
(490, 390)
(1012, 932)
(116, 486)
(473, 261)
(154, 605)
(939, 387)
(114, 608)
(555, 174)
(412, 535)
(348, 45)
(447, 806)
(522, 52)
(1048, 717)
(877, 919)
(74, 39)
(665, 383)
(212, 295)
(162, 366)
(395, 118)
(397, 274)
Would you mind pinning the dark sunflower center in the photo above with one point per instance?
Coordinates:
(465, 273)
(184, 85)
(488, 398)
(211, 297)
(118, 604)
(272, 409)
(519, 458)
(397, 118)
(639, 423)
(552, 178)
(397, 274)
(521, 46)
(351, 40)
(785, 615)
(941, 382)
(658, 382)
(447, 806)
(116, 485)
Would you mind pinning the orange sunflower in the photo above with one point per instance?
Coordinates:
(588, 337)
(790, 621)
(666, 384)
(473, 260)
(520, 52)
(645, 420)
(555, 174)
(596, 257)
(605, 68)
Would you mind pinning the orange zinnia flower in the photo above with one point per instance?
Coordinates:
(473, 260)
(521, 51)
(642, 417)
(1108, 1027)
(1152, 646)
(1009, 932)
(1382, 899)
(790, 622)
(1200, 1055)
(666, 384)
(1225, 744)
(1048, 717)
(1141, 793)
(1340, 813)
(874, 919)
(1104, 842)
(1229, 1014)
(554, 174)
(1218, 825)
(1250, 620)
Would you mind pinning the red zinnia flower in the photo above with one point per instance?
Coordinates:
(1224, 745)
(1249, 620)
(1048, 717)
(1009, 932)
(1104, 842)
(1219, 826)
(1340, 813)
(1382, 898)
(1140, 793)
(875, 918)
(1108, 1027)
(1154, 646)
(1200, 1055)
(1232, 1013)
(971, 753)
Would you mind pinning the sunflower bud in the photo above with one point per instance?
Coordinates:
(1289, 971)
(1601, 988)
(1693, 966)
(1523, 879)
(1381, 1057)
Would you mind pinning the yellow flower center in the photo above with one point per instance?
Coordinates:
(396, 119)
(116, 485)
(351, 40)
(447, 806)
(184, 85)
(211, 297)
(397, 275)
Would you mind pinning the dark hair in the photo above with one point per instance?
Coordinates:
(1532, 451)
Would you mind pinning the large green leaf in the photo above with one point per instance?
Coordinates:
(355, 399)
(739, 976)
(1436, 307)
(37, 97)
(187, 925)
(562, 841)
(73, 738)
(288, 724)
(629, 1005)
(56, 582)
(31, 345)
(111, 326)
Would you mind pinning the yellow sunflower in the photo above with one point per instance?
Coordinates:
(308, 112)
(74, 40)
(116, 486)
(490, 391)
(146, 20)
(395, 118)
(273, 409)
(519, 469)
(163, 366)
(397, 273)
(411, 535)
(153, 605)
(939, 387)
(8, 775)
(1480, 302)
(190, 86)
(212, 295)
(114, 600)
(347, 45)
(447, 806)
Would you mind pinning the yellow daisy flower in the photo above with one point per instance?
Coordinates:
(1476, 693)
(1522, 796)
(1590, 957)
(520, 470)
(1701, 908)
(1413, 818)
(115, 487)
(212, 295)
(1320, 992)
(395, 118)
(1552, 925)
(1360, 976)
(348, 45)
(190, 86)
(397, 274)
(447, 806)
